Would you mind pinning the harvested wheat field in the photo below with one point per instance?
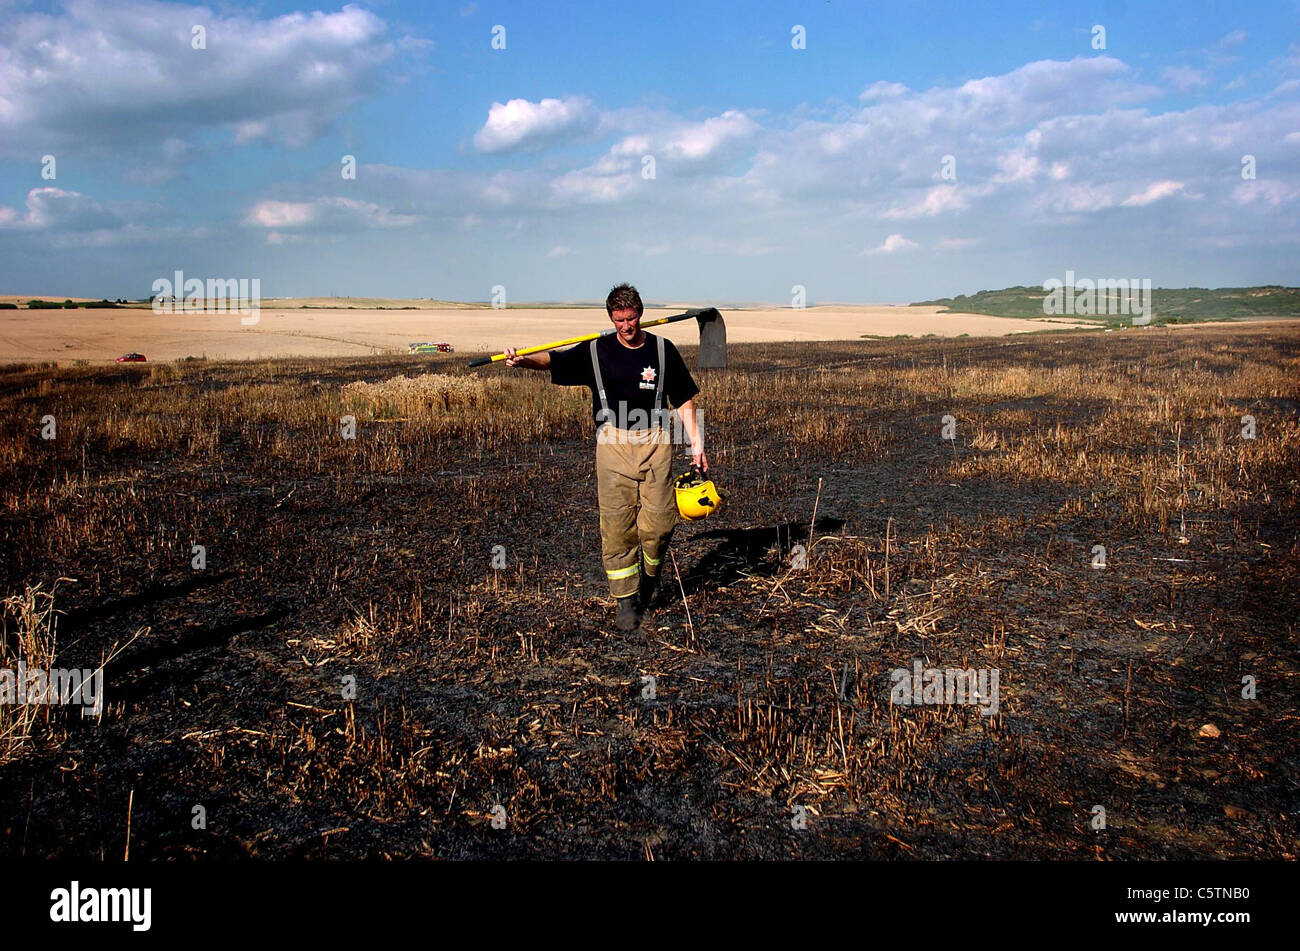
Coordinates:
(321, 329)
(349, 675)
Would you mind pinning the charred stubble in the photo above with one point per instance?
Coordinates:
(495, 715)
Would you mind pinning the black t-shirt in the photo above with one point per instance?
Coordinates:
(630, 377)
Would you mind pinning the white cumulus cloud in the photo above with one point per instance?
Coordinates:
(521, 124)
(702, 139)
(57, 209)
(124, 74)
(936, 201)
(1152, 193)
(1184, 78)
(325, 214)
(892, 245)
(1270, 192)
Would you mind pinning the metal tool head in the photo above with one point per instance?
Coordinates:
(713, 339)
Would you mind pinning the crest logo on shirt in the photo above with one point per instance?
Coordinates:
(648, 378)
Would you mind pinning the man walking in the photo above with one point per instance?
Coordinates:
(629, 373)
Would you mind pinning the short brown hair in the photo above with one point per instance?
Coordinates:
(623, 297)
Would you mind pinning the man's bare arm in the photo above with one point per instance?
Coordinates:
(695, 432)
(532, 361)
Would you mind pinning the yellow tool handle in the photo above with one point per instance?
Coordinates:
(555, 345)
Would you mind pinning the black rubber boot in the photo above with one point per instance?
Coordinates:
(628, 617)
(649, 589)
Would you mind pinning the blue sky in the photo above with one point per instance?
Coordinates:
(908, 151)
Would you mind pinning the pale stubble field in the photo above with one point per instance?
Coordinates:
(286, 331)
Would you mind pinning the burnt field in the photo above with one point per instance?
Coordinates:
(348, 675)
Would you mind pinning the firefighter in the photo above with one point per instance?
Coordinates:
(630, 374)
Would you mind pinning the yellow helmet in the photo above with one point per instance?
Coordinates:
(697, 497)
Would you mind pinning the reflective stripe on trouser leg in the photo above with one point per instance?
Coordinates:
(616, 486)
(658, 514)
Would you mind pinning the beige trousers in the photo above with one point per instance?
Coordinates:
(638, 509)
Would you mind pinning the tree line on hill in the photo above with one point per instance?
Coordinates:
(38, 304)
(1168, 304)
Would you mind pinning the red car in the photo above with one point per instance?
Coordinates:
(131, 358)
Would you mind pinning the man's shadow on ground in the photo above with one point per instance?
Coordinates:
(745, 551)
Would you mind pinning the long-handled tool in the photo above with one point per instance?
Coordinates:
(713, 338)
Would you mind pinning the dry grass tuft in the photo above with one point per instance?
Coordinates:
(29, 638)
(429, 394)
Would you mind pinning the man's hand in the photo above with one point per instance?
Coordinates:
(534, 361)
(687, 413)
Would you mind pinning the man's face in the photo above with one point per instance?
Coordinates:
(628, 324)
